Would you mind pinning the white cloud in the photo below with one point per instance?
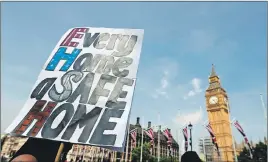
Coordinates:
(164, 82)
(196, 84)
(194, 117)
(191, 93)
(196, 88)
(161, 91)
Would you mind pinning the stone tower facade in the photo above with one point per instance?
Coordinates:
(219, 116)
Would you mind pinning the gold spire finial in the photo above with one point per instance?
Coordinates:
(213, 73)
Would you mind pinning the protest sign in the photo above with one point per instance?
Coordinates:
(84, 91)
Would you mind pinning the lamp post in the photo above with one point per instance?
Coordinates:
(190, 126)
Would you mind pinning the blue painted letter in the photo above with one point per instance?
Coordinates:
(61, 55)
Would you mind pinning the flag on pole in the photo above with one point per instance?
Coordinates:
(142, 138)
(168, 135)
(240, 129)
(213, 137)
(185, 134)
(150, 133)
(133, 134)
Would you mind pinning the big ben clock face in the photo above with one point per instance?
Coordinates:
(213, 100)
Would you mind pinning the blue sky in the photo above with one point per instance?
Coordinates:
(181, 41)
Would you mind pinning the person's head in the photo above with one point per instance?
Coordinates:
(190, 156)
(25, 158)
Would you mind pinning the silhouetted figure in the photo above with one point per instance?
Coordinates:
(43, 150)
(190, 156)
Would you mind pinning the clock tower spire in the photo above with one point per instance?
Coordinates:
(219, 116)
(213, 73)
(214, 79)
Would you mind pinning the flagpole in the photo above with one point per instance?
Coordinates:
(177, 136)
(179, 114)
(58, 156)
(263, 106)
(158, 144)
(142, 138)
(126, 158)
(231, 122)
(131, 148)
(204, 148)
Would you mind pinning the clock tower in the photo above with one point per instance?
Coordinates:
(219, 116)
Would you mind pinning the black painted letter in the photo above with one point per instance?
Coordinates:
(122, 48)
(42, 88)
(119, 93)
(122, 62)
(67, 86)
(47, 131)
(98, 137)
(83, 89)
(82, 119)
(99, 91)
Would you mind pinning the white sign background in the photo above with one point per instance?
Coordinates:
(121, 123)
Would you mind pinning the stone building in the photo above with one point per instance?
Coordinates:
(164, 151)
(210, 154)
(11, 145)
(207, 149)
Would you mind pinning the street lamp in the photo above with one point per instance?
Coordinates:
(190, 126)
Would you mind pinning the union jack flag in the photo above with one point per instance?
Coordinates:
(168, 135)
(133, 134)
(185, 134)
(212, 135)
(240, 129)
(150, 133)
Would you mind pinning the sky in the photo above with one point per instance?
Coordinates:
(181, 42)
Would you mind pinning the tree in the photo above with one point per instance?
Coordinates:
(244, 156)
(259, 154)
(136, 153)
(168, 159)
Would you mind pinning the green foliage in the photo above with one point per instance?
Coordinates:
(259, 154)
(168, 159)
(146, 156)
(136, 153)
(244, 156)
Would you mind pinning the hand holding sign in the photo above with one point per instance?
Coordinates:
(84, 92)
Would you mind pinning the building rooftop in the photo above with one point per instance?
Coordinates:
(162, 137)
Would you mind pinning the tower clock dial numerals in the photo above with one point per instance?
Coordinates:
(213, 100)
